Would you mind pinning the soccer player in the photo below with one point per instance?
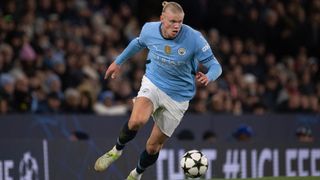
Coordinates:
(175, 50)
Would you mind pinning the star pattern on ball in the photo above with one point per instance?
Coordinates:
(192, 163)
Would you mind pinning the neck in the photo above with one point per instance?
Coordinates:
(164, 33)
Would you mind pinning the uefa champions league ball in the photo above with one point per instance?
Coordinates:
(194, 164)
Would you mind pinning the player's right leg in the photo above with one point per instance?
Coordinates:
(140, 115)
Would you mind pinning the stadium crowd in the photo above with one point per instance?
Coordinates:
(54, 53)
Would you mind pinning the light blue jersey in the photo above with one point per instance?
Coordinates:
(172, 63)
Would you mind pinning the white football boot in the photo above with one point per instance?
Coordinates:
(108, 158)
(134, 175)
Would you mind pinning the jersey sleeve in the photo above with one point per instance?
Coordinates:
(134, 47)
(203, 50)
(206, 57)
(142, 39)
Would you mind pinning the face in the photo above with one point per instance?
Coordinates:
(171, 23)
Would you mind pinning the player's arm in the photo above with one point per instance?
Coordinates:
(134, 47)
(205, 56)
(214, 70)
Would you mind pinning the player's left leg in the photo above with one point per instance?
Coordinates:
(150, 155)
(140, 115)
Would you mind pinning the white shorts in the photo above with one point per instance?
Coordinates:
(167, 113)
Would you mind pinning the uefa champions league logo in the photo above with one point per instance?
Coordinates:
(28, 167)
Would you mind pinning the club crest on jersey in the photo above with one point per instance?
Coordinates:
(181, 51)
(167, 49)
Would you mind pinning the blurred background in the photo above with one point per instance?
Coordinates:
(54, 53)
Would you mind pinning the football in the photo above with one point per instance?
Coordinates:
(194, 164)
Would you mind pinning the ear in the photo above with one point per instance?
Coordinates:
(162, 17)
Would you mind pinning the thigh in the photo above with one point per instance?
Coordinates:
(150, 91)
(170, 115)
(141, 112)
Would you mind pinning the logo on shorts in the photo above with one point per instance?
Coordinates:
(167, 49)
(181, 51)
(145, 90)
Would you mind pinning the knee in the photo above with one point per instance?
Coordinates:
(135, 125)
(137, 121)
(153, 148)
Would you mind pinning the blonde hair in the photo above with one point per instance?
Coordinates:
(172, 6)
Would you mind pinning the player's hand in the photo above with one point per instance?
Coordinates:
(202, 78)
(112, 70)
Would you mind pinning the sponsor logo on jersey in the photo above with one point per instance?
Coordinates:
(205, 48)
(167, 49)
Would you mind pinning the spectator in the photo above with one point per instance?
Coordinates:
(72, 101)
(54, 103)
(304, 134)
(86, 103)
(4, 106)
(259, 109)
(6, 58)
(243, 133)
(106, 105)
(22, 94)
(7, 89)
(67, 44)
(209, 136)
